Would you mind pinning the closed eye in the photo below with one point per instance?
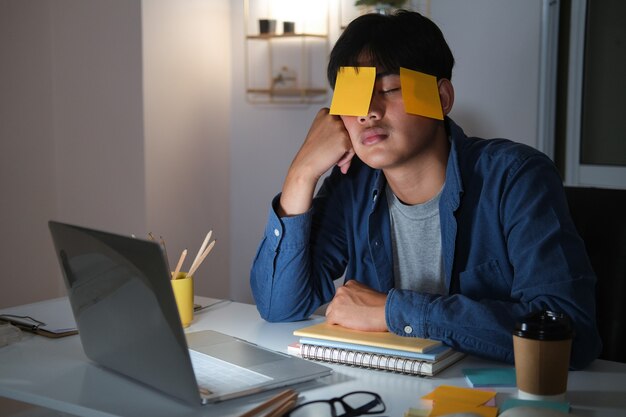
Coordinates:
(391, 90)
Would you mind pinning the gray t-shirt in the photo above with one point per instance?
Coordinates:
(416, 239)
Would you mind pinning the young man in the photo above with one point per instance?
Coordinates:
(438, 235)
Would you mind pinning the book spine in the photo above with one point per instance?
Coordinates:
(366, 360)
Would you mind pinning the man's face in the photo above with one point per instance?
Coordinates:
(388, 137)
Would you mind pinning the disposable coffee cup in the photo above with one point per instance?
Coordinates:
(542, 342)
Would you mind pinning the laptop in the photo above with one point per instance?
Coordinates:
(121, 297)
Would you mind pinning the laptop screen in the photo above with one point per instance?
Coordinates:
(120, 292)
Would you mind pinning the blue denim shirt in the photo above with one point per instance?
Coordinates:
(508, 243)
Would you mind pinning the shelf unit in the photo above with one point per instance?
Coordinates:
(284, 68)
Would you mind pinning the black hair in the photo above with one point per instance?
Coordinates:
(402, 39)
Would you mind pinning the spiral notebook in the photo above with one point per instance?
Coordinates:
(374, 350)
(399, 364)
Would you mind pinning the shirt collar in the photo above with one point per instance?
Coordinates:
(453, 188)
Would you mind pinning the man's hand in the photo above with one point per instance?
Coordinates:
(359, 307)
(326, 144)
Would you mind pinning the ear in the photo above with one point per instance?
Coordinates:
(446, 95)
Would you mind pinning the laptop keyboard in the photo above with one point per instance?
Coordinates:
(222, 377)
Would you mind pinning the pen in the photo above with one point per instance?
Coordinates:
(25, 322)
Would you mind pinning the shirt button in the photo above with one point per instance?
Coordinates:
(276, 232)
(408, 329)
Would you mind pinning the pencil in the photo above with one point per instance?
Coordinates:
(180, 264)
(195, 267)
(282, 408)
(280, 399)
(202, 247)
(164, 248)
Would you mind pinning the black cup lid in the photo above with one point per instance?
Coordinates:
(544, 325)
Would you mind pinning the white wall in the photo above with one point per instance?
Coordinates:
(496, 76)
(71, 131)
(264, 140)
(97, 109)
(27, 170)
(92, 134)
(186, 51)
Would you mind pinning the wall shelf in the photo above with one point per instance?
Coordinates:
(286, 35)
(289, 92)
(286, 68)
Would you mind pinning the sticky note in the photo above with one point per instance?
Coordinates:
(491, 402)
(552, 405)
(416, 412)
(468, 396)
(448, 400)
(420, 94)
(490, 377)
(353, 91)
(444, 409)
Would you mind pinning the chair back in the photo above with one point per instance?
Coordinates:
(600, 218)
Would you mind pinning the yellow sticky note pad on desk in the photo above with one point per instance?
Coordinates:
(420, 94)
(458, 408)
(448, 399)
(353, 91)
(447, 393)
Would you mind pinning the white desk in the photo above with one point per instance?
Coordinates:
(55, 374)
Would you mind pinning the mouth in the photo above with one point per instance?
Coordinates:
(373, 135)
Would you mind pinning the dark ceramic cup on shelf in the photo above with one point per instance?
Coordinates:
(267, 26)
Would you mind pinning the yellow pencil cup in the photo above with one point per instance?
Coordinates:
(183, 292)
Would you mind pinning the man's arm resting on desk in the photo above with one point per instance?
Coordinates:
(281, 272)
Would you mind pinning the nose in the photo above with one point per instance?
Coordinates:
(374, 113)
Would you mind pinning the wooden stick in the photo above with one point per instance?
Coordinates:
(180, 264)
(202, 248)
(164, 248)
(283, 408)
(204, 255)
(277, 399)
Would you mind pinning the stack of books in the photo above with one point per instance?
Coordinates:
(376, 350)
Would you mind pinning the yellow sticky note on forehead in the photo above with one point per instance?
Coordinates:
(353, 91)
(420, 94)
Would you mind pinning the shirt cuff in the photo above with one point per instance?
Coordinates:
(290, 232)
(406, 312)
